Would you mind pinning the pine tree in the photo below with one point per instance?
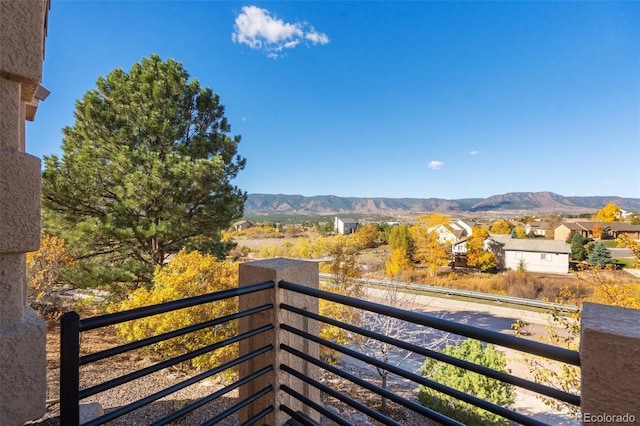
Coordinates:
(599, 255)
(145, 171)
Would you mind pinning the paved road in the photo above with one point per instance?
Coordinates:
(619, 253)
(496, 318)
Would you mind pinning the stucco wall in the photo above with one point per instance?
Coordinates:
(22, 332)
(559, 263)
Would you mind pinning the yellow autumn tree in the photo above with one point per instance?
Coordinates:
(427, 249)
(432, 220)
(188, 274)
(477, 256)
(608, 213)
(501, 226)
(634, 245)
(399, 262)
(45, 266)
(367, 236)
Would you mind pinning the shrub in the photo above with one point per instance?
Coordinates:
(188, 274)
(472, 383)
(44, 268)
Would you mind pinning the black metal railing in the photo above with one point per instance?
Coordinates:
(71, 361)
(489, 336)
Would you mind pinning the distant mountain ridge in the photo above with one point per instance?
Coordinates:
(547, 202)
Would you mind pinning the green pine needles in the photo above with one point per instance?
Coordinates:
(146, 170)
(472, 383)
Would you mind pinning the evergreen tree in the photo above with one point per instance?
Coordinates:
(145, 171)
(578, 252)
(466, 381)
(599, 255)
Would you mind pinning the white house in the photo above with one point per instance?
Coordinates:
(345, 226)
(453, 232)
(242, 225)
(461, 227)
(535, 255)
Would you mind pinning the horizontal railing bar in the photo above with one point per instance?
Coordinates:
(338, 395)
(202, 401)
(420, 409)
(303, 420)
(476, 368)
(258, 416)
(226, 413)
(513, 342)
(486, 405)
(172, 389)
(161, 308)
(97, 356)
(168, 363)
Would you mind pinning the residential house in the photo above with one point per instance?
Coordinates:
(534, 255)
(242, 225)
(459, 248)
(461, 227)
(345, 226)
(610, 230)
(538, 228)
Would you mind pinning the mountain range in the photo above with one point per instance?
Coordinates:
(535, 202)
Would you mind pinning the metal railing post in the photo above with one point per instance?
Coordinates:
(70, 369)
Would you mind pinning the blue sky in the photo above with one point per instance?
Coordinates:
(383, 99)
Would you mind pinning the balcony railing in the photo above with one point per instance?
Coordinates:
(279, 363)
(71, 361)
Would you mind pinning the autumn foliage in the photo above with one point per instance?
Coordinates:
(44, 268)
(188, 274)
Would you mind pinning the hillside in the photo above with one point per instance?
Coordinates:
(538, 202)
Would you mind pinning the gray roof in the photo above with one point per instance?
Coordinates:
(347, 220)
(588, 226)
(532, 244)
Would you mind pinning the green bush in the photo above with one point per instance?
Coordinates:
(472, 383)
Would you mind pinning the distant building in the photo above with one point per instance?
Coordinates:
(538, 228)
(535, 255)
(345, 226)
(242, 225)
(610, 230)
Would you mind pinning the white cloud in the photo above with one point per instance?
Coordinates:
(474, 152)
(316, 38)
(436, 165)
(259, 29)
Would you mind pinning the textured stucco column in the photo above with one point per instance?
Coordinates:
(22, 332)
(610, 364)
(300, 272)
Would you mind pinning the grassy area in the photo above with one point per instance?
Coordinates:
(626, 263)
(609, 243)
